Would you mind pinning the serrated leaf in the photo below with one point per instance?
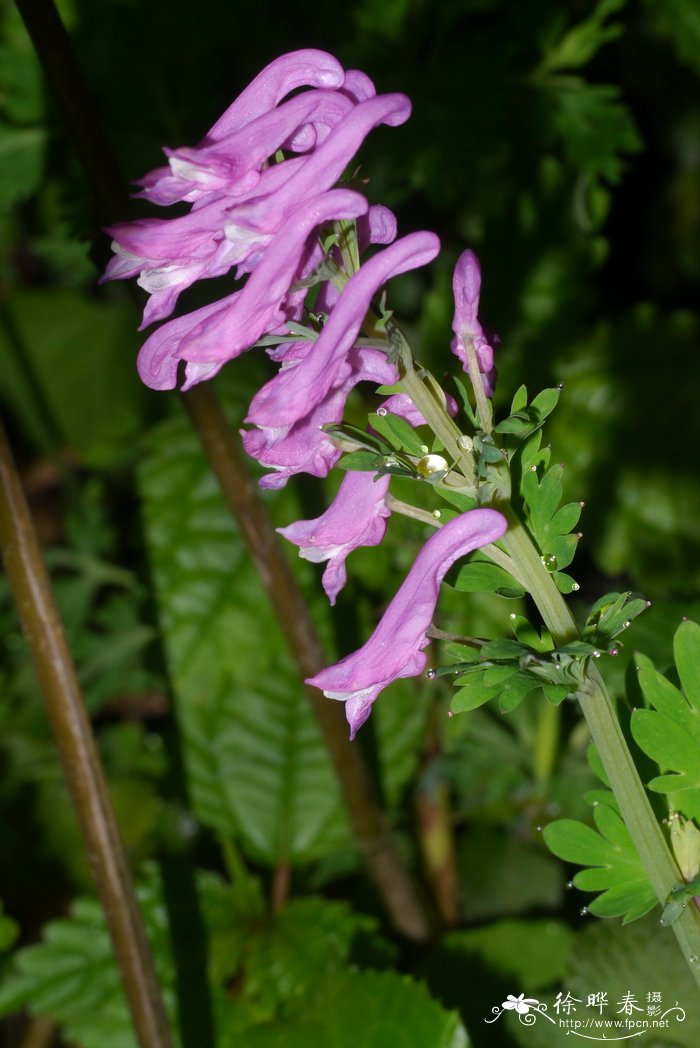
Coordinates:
(72, 975)
(372, 1009)
(617, 872)
(258, 767)
(531, 953)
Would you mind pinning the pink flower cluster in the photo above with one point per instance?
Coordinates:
(262, 185)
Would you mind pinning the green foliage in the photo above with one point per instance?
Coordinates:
(550, 524)
(619, 961)
(614, 866)
(523, 419)
(398, 433)
(669, 732)
(69, 376)
(279, 961)
(481, 575)
(23, 139)
(513, 669)
(636, 958)
(678, 19)
(72, 976)
(595, 126)
(372, 1008)
(532, 953)
(9, 930)
(520, 146)
(577, 45)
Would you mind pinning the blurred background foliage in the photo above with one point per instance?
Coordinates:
(561, 140)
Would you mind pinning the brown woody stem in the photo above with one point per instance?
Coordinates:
(368, 820)
(76, 746)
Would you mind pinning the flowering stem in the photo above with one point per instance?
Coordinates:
(76, 746)
(483, 404)
(527, 567)
(610, 743)
(414, 512)
(368, 820)
(429, 399)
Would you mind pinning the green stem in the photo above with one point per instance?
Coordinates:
(612, 748)
(429, 399)
(406, 510)
(483, 404)
(546, 742)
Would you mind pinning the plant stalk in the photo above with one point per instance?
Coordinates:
(76, 746)
(597, 707)
(399, 893)
(594, 700)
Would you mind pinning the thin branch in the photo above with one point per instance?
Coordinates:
(76, 746)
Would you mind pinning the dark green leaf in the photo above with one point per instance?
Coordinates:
(361, 461)
(482, 576)
(398, 433)
(473, 692)
(372, 1009)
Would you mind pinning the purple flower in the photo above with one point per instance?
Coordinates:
(236, 221)
(294, 393)
(181, 181)
(466, 285)
(356, 517)
(222, 330)
(395, 649)
(233, 165)
(304, 447)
